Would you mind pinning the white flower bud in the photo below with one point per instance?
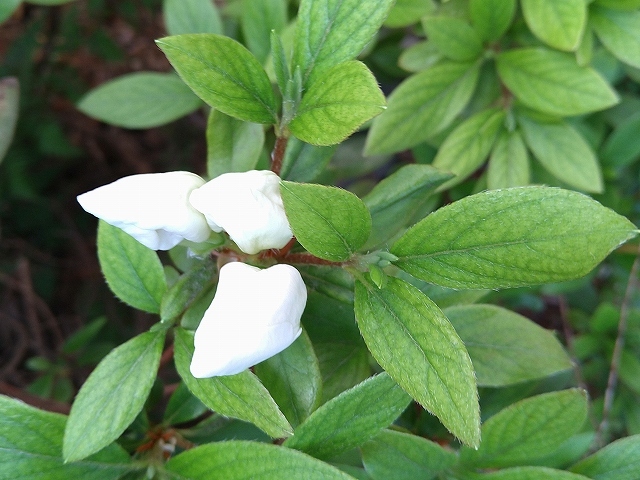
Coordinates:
(153, 208)
(248, 206)
(254, 315)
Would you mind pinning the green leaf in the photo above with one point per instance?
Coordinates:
(238, 460)
(9, 108)
(293, 378)
(336, 103)
(619, 4)
(622, 147)
(619, 460)
(140, 100)
(224, 74)
(505, 347)
(303, 162)
(512, 237)
(342, 366)
(393, 201)
(183, 406)
(31, 448)
(531, 473)
(49, 3)
(491, 18)
(434, 367)
(564, 153)
(619, 31)
(423, 105)
(191, 16)
(330, 32)
(112, 396)
(239, 396)
(529, 429)
(468, 145)
(553, 83)
(454, 37)
(419, 56)
(509, 162)
(187, 290)
(558, 23)
(400, 456)
(134, 272)
(351, 418)
(232, 145)
(408, 12)
(258, 19)
(335, 283)
(81, 338)
(329, 222)
(7, 8)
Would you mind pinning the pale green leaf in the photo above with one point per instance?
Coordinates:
(7, 7)
(509, 162)
(351, 418)
(619, 460)
(552, 82)
(455, 38)
(531, 473)
(239, 396)
(468, 145)
(505, 347)
(619, 31)
(133, 272)
(329, 222)
(422, 106)
(419, 56)
(619, 4)
(564, 153)
(330, 32)
(140, 100)
(558, 23)
(232, 145)
(336, 103)
(191, 16)
(241, 460)
(112, 396)
(258, 19)
(491, 18)
(512, 237)
(408, 12)
(224, 74)
(31, 448)
(434, 367)
(9, 108)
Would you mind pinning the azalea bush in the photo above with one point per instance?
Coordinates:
(316, 287)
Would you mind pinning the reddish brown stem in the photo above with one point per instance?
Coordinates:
(308, 259)
(277, 156)
(38, 402)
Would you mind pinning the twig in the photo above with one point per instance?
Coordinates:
(278, 154)
(612, 381)
(34, 401)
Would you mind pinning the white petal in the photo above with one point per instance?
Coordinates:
(153, 208)
(254, 315)
(248, 206)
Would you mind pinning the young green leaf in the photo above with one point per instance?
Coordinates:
(140, 100)
(303, 162)
(112, 396)
(329, 222)
(191, 16)
(224, 74)
(279, 59)
(531, 473)
(337, 102)
(239, 396)
(241, 460)
(622, 147)
(454, 37)
(258, 19)
(419, 56)
(564, 153)
(468, 145)
(330, 32)
(31, 447)
(134, 272)
(408, 12)
(293, 378)
(529, 429)
(619, 460)
(512, 237)
(620, 32)
(558, 23)
(187, 290)
(491, 18)
(232, 145)
(505, 347)
(9, 107)
(434, 367)
(552, 82)
(351, 418)
(399, 456)
(423, 105)
(509, 162)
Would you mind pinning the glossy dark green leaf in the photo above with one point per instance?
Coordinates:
(343, 365)
(558, 23)
(191, 16)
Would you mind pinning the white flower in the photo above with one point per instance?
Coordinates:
(153, 208)
(248, 206)
(254, 315)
